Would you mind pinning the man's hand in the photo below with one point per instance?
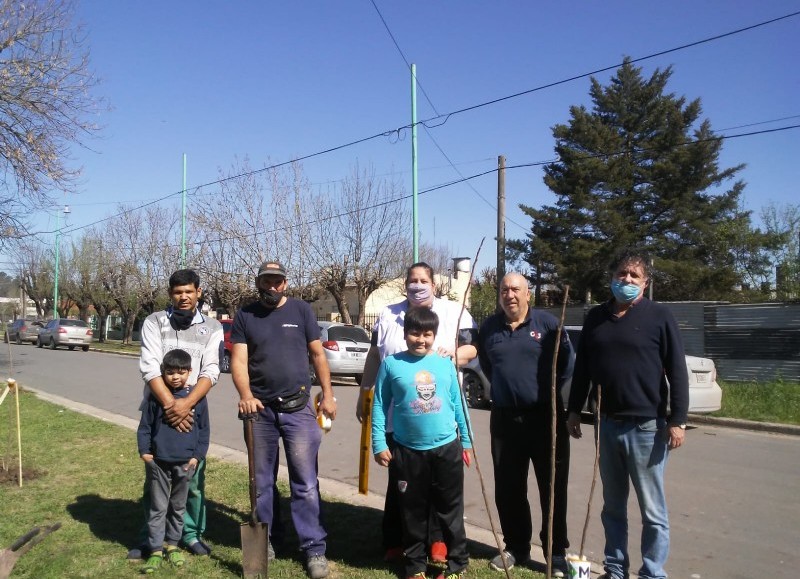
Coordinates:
(147, 457)
(383, 458)
(676, 435)
(574, 425)
(327, 405)
(250, 405)
(179, 414)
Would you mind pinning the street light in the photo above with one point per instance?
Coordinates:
(58, 245)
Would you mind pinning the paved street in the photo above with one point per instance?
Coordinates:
(732, 493)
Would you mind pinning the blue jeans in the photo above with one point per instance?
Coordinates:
(301, 440)
(634, 450)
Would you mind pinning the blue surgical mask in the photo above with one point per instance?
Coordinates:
(624, 293)
(418, 293)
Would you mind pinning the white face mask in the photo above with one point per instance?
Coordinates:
(418, 293)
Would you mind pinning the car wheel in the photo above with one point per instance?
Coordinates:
(71, 348)
(52, 344)
(5, 337)
(225, 363)
(312, 374)
(19, 340)
(85, 348)
(39, 343)
(359, 378)
(473, 390)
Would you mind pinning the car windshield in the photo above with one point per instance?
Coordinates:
(347, 334)
(78, 323)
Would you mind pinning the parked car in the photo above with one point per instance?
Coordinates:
(65, 332)
(225, 346)
(345, 347)
(705, 395)
(22, 330)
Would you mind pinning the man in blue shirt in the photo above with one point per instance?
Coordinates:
(516, 348)
(273, 340)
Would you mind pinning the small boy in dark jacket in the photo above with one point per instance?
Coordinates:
(170, 459)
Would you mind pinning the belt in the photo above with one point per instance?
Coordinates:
(626, 417)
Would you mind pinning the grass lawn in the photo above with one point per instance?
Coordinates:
(777, 401)
(86, 474)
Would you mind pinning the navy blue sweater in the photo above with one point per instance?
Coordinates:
(632, 357)
(155, 436)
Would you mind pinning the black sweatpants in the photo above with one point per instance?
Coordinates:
(520, 437)
(431, 480)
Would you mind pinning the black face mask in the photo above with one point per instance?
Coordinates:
(270, 298)
(181, 319)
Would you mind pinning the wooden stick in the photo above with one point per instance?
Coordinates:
(553, 425)
(469, 422)
(13, 385)
(364, 447)
(596, 464)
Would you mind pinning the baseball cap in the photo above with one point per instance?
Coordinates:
(271, 267)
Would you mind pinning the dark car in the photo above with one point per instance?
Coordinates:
(23, 331)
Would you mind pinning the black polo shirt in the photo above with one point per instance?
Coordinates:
(519, 362)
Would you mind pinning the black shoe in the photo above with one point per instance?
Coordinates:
(139, 553)
(198, 548)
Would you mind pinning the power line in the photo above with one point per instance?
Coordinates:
(442, 117)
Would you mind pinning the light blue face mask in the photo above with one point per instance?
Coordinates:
(624, 292)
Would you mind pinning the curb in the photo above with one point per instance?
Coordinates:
(769, 427)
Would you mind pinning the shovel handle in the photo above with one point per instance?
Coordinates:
(251, 466)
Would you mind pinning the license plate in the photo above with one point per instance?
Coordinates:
(357, 354)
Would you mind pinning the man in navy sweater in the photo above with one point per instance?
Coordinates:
(632, 348)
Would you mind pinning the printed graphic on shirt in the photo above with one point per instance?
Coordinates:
(426, 402)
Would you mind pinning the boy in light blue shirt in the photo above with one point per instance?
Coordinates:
(431, 439)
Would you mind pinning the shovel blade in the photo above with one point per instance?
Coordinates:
(255, 542)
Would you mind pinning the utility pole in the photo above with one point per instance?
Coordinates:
(501, 221)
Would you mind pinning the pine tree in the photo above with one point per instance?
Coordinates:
(641, 169)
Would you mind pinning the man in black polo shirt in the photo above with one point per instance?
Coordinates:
(273, 340)
(516, 349)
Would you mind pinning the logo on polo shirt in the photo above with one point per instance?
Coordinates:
(536, 335)
(289, 326)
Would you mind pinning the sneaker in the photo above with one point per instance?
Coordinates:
(559, 566)
(420, 575)
(317, 566)
(175, 557)
(497, 562)
(270, 552)
(393, 554)
(153, 563)
(438, 552)
(457, 575)
(198, 548)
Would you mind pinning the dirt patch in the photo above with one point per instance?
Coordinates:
(11, 476)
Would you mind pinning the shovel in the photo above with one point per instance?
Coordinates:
(255, 538)
(8, 557)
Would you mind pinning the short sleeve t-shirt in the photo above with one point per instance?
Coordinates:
(277, 346)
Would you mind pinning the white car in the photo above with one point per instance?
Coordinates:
(705, 395)
(345, 347)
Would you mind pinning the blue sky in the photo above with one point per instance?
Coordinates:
(279, 80)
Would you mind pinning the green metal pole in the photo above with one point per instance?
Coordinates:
(414, 211)
(58, 245)
(183, 216)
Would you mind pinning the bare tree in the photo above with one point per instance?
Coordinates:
(45, 104)
(35, 273)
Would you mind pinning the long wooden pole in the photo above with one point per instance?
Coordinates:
(13, 385)
(596, 464)
(553, 425)
(364, 446)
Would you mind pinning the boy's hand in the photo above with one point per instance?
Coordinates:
(384, 457)
(147, 457)
(467, 456)
(191, 466)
